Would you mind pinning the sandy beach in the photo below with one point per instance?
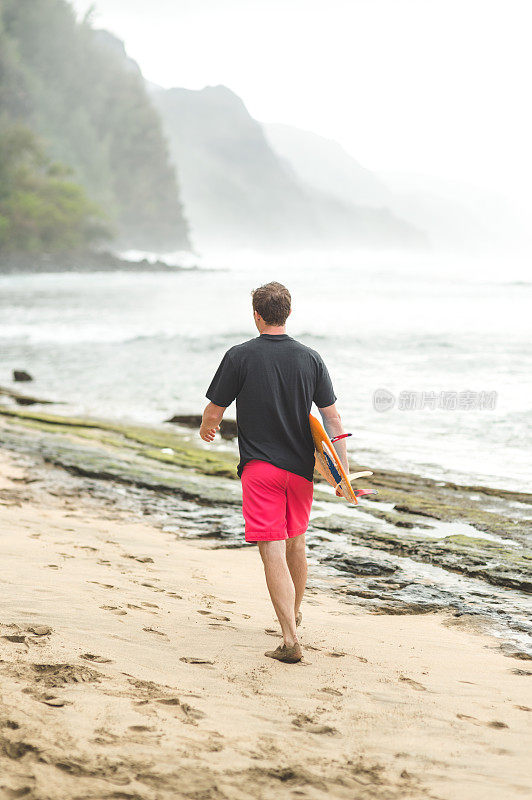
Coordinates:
(132, 666)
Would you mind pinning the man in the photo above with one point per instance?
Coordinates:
(275, 379)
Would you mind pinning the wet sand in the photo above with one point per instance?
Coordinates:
(132, 666)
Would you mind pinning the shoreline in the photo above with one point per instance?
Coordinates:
(132, 665)
(417, 547)
(83, 261)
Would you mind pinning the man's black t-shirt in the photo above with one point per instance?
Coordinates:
(274, 379)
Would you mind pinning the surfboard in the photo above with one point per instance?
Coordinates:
(329, 466)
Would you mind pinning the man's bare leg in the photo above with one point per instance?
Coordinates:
(296, 559)
(283, 596)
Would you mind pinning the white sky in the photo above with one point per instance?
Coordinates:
(437, 87)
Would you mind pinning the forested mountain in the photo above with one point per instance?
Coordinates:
(41, 209)
(236, 191)
(74, 87)
(93, 156)
(239, 192)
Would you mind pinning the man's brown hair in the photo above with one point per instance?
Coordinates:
(273, 302)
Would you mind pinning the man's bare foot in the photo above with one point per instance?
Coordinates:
(299, 617)
(288, 654)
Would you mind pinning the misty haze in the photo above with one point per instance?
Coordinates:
(160, 161)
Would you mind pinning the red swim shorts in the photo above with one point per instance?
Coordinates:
(275, 503)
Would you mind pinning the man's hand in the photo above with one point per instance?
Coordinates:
(210, 423)
(208, 434)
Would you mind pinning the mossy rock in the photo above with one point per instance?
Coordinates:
(124, 435)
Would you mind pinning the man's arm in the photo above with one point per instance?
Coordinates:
(210, 422)
(333, 425)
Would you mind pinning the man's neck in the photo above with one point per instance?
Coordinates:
(273, 330)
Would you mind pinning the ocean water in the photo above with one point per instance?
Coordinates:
(445, 343)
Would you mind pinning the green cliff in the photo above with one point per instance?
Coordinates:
(75, 88)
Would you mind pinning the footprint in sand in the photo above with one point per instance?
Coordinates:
(222, 625)
(140, 729)
(308, 724)
(115, 610)
(215, 743)
(334, 653)
(39, 630)
(414, 684)
(148, 692)
(53, 701)
(104, 737)
(18, 638)
(211, 615)
(141, 559)
(495, 723)
(104, 585)
(175, 595)
(149, 605)
(195, 660)
(57, 675)
(153, 630)
(97, 659)
(330, 690)
(187, 713)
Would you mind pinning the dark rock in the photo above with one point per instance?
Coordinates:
(187, 420)
(21, 375)
(359, 566)
(510, 651)
(494, 562)
(22, 399)
(228, 428)
(404, 609)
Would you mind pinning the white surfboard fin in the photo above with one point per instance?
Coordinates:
(354, 475)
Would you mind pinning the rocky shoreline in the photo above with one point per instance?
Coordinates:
(81, 261)
(381, 555)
